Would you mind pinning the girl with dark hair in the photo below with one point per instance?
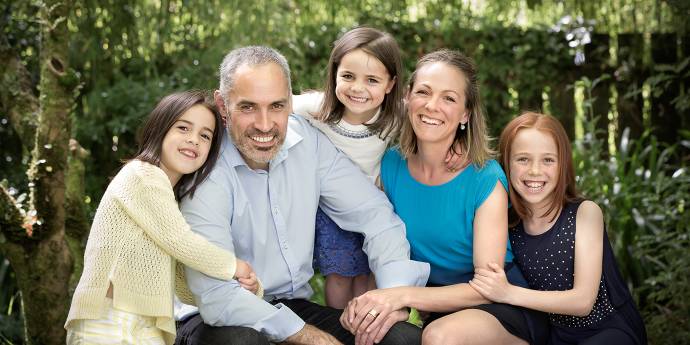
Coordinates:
(560, 243)
(125, 294)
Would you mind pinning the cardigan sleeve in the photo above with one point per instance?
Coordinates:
(187, 297)
(150, 202)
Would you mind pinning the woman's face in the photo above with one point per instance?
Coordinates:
(436, 103)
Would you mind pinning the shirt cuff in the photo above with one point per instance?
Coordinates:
(280, 325)
(402, 273)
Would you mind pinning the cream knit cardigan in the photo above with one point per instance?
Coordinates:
(136, 237)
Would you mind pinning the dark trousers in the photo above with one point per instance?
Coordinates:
(194, 332)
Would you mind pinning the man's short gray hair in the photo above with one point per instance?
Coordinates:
(251, 56)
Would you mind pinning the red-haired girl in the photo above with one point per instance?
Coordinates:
(559, 242)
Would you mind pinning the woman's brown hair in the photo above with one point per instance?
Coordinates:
(159, 122)
(565, 190)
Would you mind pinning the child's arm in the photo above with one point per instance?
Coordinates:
(307, 104)
(577, 301)
(150, 202)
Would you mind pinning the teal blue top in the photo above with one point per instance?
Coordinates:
(439, 219)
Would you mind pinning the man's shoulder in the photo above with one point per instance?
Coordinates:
(301, 131)
(300, 125)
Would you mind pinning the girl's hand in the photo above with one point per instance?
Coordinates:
(242, 269)
(492, 283)
(250, 283)
(455, 159)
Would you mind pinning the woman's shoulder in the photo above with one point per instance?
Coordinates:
(390, 167)
(491, 171)
(491, 166)
(392, 156)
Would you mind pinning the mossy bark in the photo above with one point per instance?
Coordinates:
(33, 236)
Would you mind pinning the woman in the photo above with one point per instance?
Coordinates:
(456, 220)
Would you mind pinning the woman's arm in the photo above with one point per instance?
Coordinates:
(489, 245)
(577, 301)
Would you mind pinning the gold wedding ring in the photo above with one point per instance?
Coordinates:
(373, 313)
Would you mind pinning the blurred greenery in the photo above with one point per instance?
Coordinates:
(643, 194)
(532, 54)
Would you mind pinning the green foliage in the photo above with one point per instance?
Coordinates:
(643, 192)
(129, 54)
(11, 322)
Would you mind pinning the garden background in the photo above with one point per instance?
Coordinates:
(615, 72)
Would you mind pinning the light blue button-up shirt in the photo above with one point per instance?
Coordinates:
(267, 218)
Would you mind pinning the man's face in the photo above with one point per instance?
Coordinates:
(258, 106)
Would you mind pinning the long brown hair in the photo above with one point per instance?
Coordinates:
(565, 190)
(474, 141)
(159, 122)
(383, 47)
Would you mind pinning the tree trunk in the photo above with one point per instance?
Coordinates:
(33, 237)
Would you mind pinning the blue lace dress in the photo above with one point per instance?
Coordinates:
(338, 251)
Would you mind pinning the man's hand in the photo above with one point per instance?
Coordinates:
(311, 335)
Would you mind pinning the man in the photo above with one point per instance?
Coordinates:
(260, 202)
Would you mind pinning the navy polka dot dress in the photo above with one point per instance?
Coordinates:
(548, 262)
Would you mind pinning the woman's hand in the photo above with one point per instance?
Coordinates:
(369, 310)
(370, 316)
(492, 283)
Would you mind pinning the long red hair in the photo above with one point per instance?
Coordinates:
(565, 190)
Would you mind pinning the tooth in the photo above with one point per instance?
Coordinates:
(262, 139)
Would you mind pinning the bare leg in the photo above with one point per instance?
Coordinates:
(469, 326)
(338, 290)
(360, 284)
(372, 281)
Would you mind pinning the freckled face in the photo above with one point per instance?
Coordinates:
(534, 167)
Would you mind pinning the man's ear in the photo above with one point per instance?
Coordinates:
(220, 102)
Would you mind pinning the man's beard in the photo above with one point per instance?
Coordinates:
(245, 144)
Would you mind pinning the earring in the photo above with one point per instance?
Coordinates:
(462, 126)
